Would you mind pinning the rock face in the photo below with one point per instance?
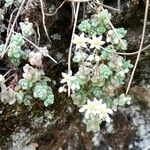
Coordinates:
(142, 94)
(60, 127)
(129, 130)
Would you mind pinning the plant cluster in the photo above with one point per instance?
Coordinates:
(33, 85)
(102, 72)
(9, 3)
(94, 87)
(36, 84)
(26, 28)
(16, 48)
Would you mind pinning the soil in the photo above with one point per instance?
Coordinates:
(60, 126)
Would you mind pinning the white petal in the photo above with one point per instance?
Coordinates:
(107, 118)
(92, 46)
(109, 111)
(61, 89)
(102, 42)
(81, 109)
(88, 40)
(82, 35)
(64, 74)
(95, 99)
(77, 47)
(94, 37)
(108, 39)
(84, 45)
(100, 38)
(86, 115)
(12, 101)
(63, 81)
(89, 102)
(97, 47)
(70, 72)
(73, 87)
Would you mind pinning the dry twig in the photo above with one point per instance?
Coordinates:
(43, 20)
(70, 48)
(141, 45)
(10, 19)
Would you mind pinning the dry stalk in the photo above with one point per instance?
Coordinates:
(141, 45)
(70, 48)
(10, 19)
(43, 20)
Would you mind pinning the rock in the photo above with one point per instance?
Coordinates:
(142, 94)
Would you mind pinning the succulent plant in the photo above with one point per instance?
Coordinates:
(26, 28)
(101, 70)
(40, 91)
(8, 2)
(25, 84)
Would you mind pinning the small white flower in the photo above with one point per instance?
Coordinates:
(90, 108)
(116, 41)
(80, 41)
(104, 112)
(108, 39)
(110, 32)
(2, 79)
(62, 89)
(28, 72)
(74, 86)
(97, 109)
(67, 78)
(96, 42)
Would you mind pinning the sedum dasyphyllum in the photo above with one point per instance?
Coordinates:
(101, 71)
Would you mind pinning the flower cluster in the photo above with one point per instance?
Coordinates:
(70, 81)
(95, 110)
(83, 42)
(101, 70)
